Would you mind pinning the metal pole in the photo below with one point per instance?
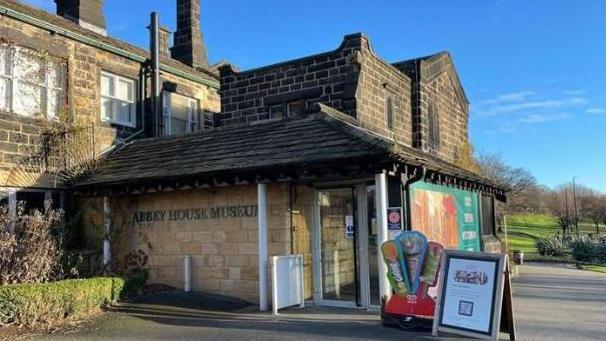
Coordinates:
(566, 203)
(262, 220)
(155, 69)
(382, 233)
(107, 224)
(574, 197)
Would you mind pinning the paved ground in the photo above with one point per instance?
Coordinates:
(558, 302)
(552, 302)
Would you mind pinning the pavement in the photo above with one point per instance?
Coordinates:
(551, 302)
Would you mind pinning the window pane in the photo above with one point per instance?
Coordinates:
(55, 101)
(5, 90)
(125, 90)
(5, 61)
(125, 112)
(106, 108)
(29, 67)
(30, 98)
(107, 85)
(56, 75)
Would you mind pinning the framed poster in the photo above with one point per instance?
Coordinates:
(470, 294)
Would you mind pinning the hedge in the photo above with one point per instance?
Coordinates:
(31, 304)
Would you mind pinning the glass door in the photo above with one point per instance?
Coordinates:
(336, 254)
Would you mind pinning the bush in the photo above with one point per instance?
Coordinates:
(30, 246)
(583, 249)
(551, 246)
(46, 303)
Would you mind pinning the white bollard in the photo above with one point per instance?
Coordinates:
(186, 274)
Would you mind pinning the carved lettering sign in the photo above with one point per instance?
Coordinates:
(222, 212)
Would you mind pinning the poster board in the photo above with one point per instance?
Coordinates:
(447, 215)
(471, 295)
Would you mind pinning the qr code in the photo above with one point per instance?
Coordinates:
(465, 308)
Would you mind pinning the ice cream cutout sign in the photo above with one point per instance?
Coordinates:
(413, 266)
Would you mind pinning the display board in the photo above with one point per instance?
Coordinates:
(447, 215)
(472, 295)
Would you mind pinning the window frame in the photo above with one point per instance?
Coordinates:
(193, 116)
(13, 52)
(389, 111)
(115, 100)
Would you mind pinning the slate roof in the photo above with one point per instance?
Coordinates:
(327, 136)
(73, 27)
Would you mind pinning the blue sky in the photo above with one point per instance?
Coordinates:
(534, 71)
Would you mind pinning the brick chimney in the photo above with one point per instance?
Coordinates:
(86, 13)
(164, 41)
(188, 44)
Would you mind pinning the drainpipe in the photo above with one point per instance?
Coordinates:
(263, 254)
(406, 183)
(155, 71)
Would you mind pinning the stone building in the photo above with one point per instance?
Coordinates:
(64, 68)
(301, 157)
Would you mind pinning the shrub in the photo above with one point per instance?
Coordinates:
(583, 249)
(46, 303)
(551, 246)
(30, 246)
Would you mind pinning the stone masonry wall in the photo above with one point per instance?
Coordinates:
(329, 78)
(453, 118)
(378, 81)
(224, 251)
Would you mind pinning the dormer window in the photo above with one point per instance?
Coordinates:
(433, 127)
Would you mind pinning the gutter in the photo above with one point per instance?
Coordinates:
(101, 45)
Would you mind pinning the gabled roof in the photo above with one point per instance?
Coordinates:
(43, 19)
(430, 66)
(325, 137)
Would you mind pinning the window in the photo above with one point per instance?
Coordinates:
(30, 83)
(389, 112)
(433, 124)
(180, 113)
(118, 99)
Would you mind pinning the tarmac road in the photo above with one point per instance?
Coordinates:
(551, 302)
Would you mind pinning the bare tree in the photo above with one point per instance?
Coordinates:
(524, 196)
(593, 208)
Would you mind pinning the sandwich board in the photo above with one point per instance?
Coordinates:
(474, 296)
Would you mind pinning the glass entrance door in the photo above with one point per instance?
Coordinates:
(338, 233)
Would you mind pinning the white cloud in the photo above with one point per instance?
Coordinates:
(595, 111)
(577, 92)
(543, 118)
(508, 97)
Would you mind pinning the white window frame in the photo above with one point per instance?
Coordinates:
(13, 52)
(115, 100)
(193, 123)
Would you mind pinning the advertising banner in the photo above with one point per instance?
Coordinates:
(447, 215)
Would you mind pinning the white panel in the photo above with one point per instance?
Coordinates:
(287, 281)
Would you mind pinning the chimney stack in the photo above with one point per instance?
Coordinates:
(86, 13)
(164, 41)
(188, 42)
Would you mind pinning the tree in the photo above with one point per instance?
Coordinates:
(594, 209)
(524, 195)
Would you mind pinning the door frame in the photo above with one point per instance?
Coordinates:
(361, 241)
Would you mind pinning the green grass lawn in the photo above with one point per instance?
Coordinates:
(524, 229)
(595, 268)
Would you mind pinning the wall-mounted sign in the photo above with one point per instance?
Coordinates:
(198, 213)
(471, 295)
(349, 227)
(394, 218)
